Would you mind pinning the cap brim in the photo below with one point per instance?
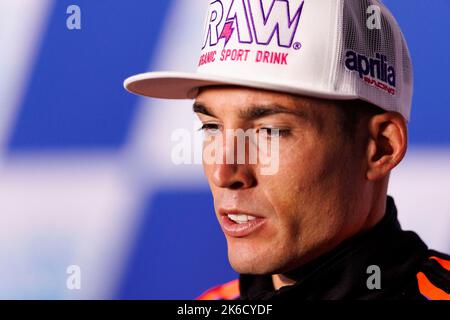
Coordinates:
(179, 85)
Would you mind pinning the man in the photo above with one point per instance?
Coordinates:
(330, 81)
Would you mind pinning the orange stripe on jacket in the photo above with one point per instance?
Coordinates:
(429, 290)
(444, 263)
(227, 291)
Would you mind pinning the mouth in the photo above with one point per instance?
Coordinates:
(238, 224)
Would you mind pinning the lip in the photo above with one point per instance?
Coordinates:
(236, 230)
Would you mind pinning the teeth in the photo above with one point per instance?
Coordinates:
(241, 218)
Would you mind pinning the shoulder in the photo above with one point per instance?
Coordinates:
(227, 291)
(433, 279)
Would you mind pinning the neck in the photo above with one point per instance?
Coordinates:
(280, 280)
(376, 213)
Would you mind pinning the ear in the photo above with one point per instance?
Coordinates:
(388, 141)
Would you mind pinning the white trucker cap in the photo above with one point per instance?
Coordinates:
(331, 49)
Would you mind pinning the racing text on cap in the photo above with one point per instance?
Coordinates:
(374, 71)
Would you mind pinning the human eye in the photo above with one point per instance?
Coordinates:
(210, 128)
(273, 132)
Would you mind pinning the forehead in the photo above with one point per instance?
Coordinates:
(230, 100)
(234, 94)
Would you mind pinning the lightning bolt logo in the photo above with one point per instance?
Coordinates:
(227, 31)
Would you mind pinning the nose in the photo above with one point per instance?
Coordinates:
(229, 172)
(232, 176)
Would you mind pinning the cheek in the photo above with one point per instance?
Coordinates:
(208, 170)
(300, 167)
(310, 163)
(285, 193)
(208, 166)
(299, 190)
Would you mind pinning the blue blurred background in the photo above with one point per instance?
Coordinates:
(85, 172)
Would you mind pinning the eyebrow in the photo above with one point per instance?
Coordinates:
(254, 112)
(201, 108)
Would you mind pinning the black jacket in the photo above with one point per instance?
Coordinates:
(407, 270)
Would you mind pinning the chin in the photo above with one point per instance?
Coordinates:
(249, 267)
(246, 259)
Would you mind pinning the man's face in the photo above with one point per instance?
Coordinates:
(308, 205)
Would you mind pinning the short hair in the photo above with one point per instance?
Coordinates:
(352, 112)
